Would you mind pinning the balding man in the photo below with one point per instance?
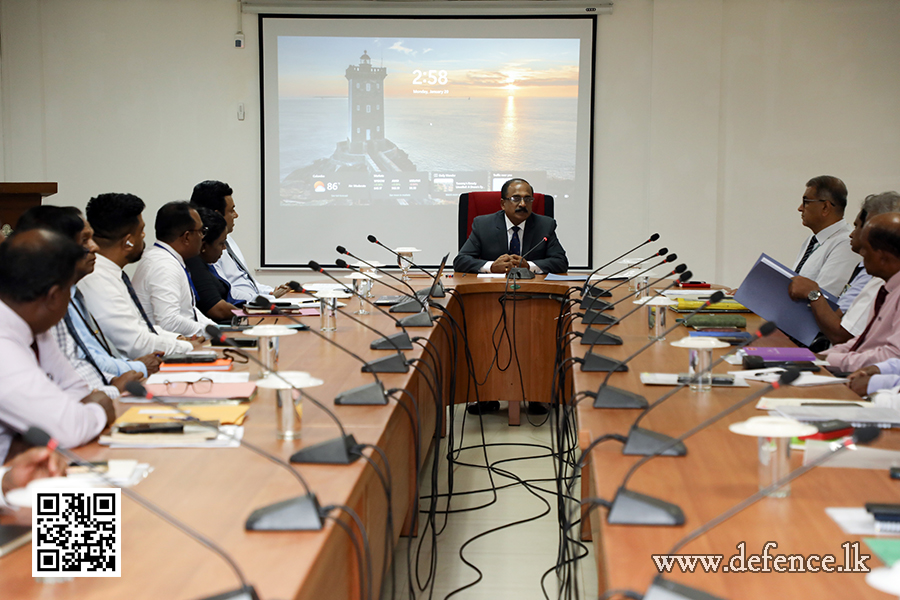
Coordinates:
(881, 338)
(40, 387)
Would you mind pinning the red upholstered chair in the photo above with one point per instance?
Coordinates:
(474, 204)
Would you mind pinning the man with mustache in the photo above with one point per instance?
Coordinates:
(499, 241)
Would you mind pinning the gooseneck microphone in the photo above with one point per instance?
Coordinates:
(597, 362)
(613, 397)
(435, 291)
(634, 265)
(395, 341)
(664, 589)
(395, 363)
(297, 514)
(38, 437)
(343, 450)
(415, 304)
(370, 393)
(592, 337)
(633, 508)
(525, 272)
(592, 290)
(642, 442)
(594, 315)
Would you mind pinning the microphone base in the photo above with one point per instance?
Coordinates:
(395, 341)
(633, 508)
(594, 303)
(371, 394)
(594, 363)
(520, 273)
(407, 306)
(297, 514)
(646, 442)
(663, 589)
(595, 292)
(438, 291)
(612, 397)
(594, 337)
(339, 451)
(422, 319)
(395, 363)
(595, 317)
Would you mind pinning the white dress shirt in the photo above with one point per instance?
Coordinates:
(486, 267)
(45, 393)
(109, 301)
(857, 316)
(162, 285)
(832, 262)
(243, 285)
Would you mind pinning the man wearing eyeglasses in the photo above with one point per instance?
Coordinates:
(162, 281)
(826, 257)
(499, 242)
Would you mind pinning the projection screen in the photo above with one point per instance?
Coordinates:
(376, 125)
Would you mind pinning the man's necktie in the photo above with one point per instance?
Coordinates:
(137, 302)
(879, 302)
(809, 250)
(515, 246)
(241, 266)
(81, 346)
(92, 325)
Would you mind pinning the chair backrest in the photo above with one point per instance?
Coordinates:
(475, 204)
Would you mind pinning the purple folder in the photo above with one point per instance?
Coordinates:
(781, 354)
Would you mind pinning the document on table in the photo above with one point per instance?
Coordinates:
(492, 275)
(555, 277)
(880, 416)
(863, 457)
(806, 379)
(673, 379)
(855, 520)
(143, 440)
(770, 403)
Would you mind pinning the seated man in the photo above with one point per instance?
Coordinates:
(78, 335)
(162, 281)
(825, 256)
(34, 463)
(231, 266)
(849, 320)
(499, 241)
(108, 293)
(881, 338)
(213, 293)
(40, 388)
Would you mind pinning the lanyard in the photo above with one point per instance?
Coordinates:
(188, 274)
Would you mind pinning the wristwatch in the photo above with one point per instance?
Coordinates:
(814, 295)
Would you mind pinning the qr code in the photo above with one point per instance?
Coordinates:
(76, 533)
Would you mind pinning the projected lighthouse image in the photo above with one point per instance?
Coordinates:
(418, 121)
(365, 152)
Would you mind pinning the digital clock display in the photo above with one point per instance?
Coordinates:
(430, 77)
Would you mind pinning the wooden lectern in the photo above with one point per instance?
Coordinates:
(16, 198)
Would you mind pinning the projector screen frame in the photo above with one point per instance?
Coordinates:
(410, 13)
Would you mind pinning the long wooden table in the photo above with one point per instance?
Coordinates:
(719, 470)
(215, 490)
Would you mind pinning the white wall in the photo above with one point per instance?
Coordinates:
(712, 114)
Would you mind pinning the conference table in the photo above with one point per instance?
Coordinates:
(719, 470)
(214, 490)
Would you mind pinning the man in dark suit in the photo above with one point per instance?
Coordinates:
(499, 241)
